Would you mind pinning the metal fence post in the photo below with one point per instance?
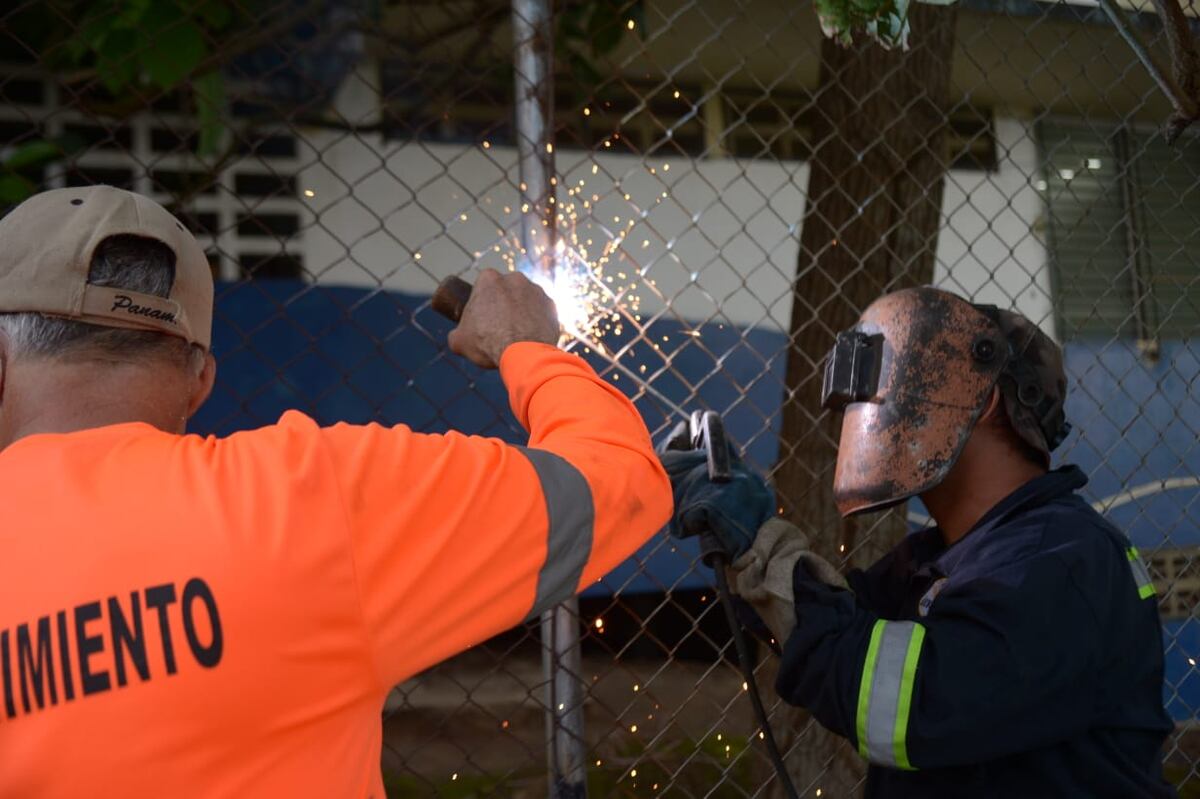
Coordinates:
(533, 61)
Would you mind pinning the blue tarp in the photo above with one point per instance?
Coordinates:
(356, 355)
(348, 354)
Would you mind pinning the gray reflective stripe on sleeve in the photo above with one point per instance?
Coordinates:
(885, 695)
(1141, 575)
(571, 516)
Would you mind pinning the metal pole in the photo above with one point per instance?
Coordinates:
(533, 61)
(1183, 104)
(564, 693)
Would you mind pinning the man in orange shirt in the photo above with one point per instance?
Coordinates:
(184, 616)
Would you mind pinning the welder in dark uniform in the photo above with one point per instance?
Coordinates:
(1015, 649)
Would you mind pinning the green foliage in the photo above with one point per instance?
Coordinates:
(885, 21)
(209, 95)
(588, 30)
(19, 170)
(133, 49)
(155, 42)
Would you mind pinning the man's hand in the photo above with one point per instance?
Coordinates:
(504, 309)
(732, 511)
(764, 575)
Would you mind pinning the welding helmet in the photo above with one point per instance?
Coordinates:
(912, 378)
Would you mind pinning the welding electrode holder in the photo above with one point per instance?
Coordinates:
(706, 430)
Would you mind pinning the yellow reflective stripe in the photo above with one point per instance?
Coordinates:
(885, 693)
(900, 735)
(864, 686)
(1141, 575)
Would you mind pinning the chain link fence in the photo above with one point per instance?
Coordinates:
(728, 189)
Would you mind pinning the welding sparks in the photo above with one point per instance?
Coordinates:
(589, 277)
(590, 303)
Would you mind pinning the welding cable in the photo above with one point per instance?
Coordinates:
(718, 560)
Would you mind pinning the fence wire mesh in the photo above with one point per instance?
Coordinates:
(729, 190)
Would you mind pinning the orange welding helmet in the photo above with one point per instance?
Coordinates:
(912, 378)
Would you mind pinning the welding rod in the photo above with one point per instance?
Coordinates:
(451, 297)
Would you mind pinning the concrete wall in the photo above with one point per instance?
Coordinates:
(712, 240)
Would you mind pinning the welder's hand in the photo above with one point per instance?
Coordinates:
(763, 575)
(733, 511)
(504, 309)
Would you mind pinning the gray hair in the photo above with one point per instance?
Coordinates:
(123, 261)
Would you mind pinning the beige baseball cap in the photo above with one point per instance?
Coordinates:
(46, 247)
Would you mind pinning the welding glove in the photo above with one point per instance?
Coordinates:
(763, 574)
(733, 511)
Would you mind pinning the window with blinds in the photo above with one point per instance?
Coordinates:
(247, 215)
(1170, 215)
(1122, 226)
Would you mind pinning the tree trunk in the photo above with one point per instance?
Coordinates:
(870, 227)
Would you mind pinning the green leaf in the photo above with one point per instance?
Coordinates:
(176, 45)
(885, 21)
(35, 153)
(20, 170)
(132, 14)
(116, 64)
(214, 13)
(178, 51)
(14, 189)
(209, 90)
(95, 30)
(72, 52)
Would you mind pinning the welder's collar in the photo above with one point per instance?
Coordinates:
(1035, 493)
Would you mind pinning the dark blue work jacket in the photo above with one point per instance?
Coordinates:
(1025, 660)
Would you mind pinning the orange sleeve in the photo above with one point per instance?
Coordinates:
(457, 538)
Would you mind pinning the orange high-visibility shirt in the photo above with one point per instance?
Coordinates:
(201, 617)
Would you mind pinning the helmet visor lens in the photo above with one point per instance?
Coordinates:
(851, 370)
